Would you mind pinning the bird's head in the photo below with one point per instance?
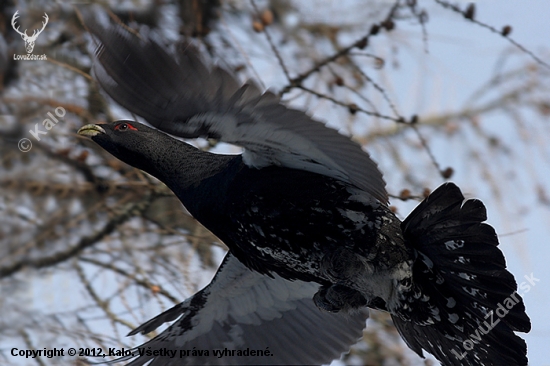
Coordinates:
(173, 161)
(132, 142)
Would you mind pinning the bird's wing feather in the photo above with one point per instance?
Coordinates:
(179, 94)
(243, 309)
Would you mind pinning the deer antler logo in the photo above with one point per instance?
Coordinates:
(29, 41)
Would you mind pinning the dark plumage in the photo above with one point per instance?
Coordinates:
(304, 213)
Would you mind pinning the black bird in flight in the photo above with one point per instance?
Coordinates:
(304, 212)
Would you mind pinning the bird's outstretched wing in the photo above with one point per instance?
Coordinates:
(243, 310)
(179, 94)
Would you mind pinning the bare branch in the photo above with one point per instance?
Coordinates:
(503, 32)
(126, 213)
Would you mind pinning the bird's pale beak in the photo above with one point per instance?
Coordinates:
(90, 130)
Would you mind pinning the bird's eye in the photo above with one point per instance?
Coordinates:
(124, 127)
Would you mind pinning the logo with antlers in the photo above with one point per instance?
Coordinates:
(29, 41)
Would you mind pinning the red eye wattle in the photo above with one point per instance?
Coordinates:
(124, 127)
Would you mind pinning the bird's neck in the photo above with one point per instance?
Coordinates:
(184, 168)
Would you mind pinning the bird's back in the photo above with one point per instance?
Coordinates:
(299, 224)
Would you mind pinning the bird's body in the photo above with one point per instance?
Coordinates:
(312, 241)
(270, 219)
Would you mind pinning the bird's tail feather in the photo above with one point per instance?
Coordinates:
(462, 305)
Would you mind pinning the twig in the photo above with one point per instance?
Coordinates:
(361, 43)
(125, 214)
(104, 305)
(441, 120)
(143, 283)
(455, 8)
(425, 145)
(69, 67)
(379, 88)
(270, 41)
(353, 107)
(30, 345)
